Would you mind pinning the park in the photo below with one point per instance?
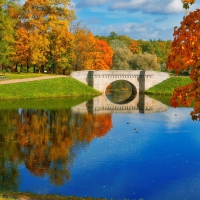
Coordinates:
(86, 116)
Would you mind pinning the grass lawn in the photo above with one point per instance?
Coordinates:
(167, 86)
(48, 88)
(26, 196)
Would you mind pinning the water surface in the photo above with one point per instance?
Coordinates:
(140, 149)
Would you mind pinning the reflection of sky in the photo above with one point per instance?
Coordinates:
(161, 161)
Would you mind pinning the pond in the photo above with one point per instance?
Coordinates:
(142, 149)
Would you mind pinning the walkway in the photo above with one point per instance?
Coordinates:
(29, 79)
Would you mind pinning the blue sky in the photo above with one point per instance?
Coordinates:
(138, 19)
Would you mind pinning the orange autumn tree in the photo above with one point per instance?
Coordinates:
(185, 55)
(47, 24)
(90, 53)
(102, 55)
(81, 48)
(135, 47)
(22, 54)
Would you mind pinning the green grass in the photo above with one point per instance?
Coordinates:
(43, 103)
(48, 88)
(167, 86)
(18, 195)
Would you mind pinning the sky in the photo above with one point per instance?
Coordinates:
(138, 19)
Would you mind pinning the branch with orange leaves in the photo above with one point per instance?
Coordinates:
(187, 3)
(185, 56)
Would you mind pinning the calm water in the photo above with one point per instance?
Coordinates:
(140, 149)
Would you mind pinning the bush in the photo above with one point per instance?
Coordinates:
(121, 58)
(144, 61)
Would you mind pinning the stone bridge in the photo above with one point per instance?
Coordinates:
(139, 80)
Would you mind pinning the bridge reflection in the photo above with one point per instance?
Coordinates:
(141, 103)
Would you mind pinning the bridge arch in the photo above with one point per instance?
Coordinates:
(133, 88)
(116, 94)
(100, 79)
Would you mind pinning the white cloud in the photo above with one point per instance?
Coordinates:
(146, 6)
(143, 31)
(174, 7)
(138, 19)
(149, 6)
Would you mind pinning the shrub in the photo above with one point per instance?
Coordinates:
(144, 61)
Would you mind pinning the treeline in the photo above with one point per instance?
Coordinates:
(45, 36)
(137, 54)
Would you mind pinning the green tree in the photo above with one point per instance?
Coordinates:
(125, 39)
(122, 55)
(113, 35)
(8, 11)
(144, 61)
(159, 48)
(117, 43)
(147, 46)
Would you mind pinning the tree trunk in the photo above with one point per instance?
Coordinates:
(34, 71)
(16, 70)
(21, 68)
(2, 66)
(27, 66)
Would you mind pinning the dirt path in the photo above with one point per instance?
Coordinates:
(29, 79)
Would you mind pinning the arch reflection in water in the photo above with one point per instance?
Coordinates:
(121, 92)
(140, 104)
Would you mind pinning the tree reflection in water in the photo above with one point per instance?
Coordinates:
(45, 141)
(9, 157)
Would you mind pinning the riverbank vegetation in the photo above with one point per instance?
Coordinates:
(28, 196)
(48, 88)
(167, 86)
(43, 103)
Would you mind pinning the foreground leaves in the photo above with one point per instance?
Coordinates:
(187, 3)
(184, 55)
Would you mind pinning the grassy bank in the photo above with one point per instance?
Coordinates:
(26, 196)
(48, 88)
(167, 86)
(43, 103)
